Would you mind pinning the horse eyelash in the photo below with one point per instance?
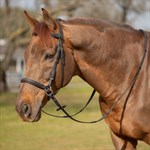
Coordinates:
(48, 56)
(34, 34)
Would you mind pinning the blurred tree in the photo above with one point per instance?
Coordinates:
(3, 84)
(96, 9)
(131, 6)
(125, 5)
(7, 13)
(59, 7)
(46, 3)
(14, 32)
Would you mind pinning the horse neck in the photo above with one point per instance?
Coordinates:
(101, 60)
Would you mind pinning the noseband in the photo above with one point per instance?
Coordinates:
(51, 95)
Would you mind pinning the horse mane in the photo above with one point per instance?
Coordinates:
(99, 24)
(44, 31)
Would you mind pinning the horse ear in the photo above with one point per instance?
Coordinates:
(32, 22)
(47, 18)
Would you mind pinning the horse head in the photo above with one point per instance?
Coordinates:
(40, 58)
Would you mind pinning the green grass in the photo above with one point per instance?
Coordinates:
(52, 133)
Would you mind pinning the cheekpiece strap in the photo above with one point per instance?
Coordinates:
(57, 36)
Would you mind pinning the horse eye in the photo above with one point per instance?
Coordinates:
(34, 34)
(48, 56)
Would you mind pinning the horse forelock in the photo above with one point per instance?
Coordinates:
(44, 32)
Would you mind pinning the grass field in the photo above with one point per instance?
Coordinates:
(52, 133)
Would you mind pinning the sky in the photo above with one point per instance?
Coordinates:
(21, 3)
(139, 20)
(142, 21)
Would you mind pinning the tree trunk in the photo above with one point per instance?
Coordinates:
(3, 83)
(7, 14)
(4, 67)
(13, 43)
(125, 5)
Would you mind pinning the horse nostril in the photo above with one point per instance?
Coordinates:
(26, 110)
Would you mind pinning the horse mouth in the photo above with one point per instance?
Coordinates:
(37, 117)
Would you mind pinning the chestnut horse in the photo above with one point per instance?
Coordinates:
(106, 55)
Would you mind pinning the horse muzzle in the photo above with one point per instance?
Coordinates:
(27, 112)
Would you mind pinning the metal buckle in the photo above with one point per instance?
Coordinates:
(49, 91)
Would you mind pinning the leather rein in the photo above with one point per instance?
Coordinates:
(51, 95)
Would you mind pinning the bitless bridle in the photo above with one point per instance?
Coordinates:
(60, 56)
